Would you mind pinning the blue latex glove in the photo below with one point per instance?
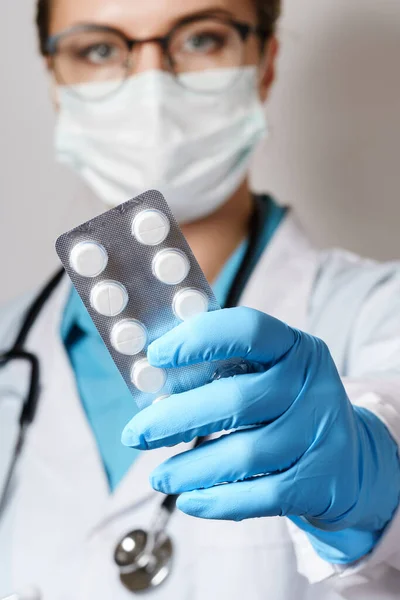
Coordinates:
(309, 454)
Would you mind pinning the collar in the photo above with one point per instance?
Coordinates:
(272, 217)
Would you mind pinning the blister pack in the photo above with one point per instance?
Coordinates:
(138, 279)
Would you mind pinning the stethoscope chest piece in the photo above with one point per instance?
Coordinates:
(144, 560)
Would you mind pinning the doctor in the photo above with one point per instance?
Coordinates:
(169, 95)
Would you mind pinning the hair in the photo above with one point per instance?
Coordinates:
(42, 22)
(268, 13)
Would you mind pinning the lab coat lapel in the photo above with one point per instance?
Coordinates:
(290, 263)
(281, 283)
(62, 497)
(72, 505)
(63, 490)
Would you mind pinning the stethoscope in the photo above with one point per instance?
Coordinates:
(144, 558)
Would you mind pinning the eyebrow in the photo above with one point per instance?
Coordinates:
(211, 11)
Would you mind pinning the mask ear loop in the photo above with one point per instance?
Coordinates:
(53, 83)
(54, 97)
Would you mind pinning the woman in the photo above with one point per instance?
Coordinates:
(170, 96)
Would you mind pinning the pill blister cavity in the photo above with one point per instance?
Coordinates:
(129, 337)
(151, 227)
(109, 298)
(188, 303)
(171, 266)
(146, 378)
(88, 259)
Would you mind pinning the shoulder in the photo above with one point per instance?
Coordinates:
(341, 283)
(343, 275)
(354, 302)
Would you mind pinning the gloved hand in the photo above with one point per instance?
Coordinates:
(309, 453)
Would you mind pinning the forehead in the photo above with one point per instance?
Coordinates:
(141, 17)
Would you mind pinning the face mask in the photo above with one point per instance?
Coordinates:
(195, 148)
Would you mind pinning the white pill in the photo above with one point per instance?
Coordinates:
(129, 337)
(88, 259)
(189, 303)
(171, 266)
(147, 378)
(109, 298)
(150, 227)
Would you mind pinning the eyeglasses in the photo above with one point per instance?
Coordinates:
(87, 54)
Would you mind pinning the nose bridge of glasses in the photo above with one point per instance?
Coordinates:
(148, 54)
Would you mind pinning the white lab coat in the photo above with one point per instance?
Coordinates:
(61, 525)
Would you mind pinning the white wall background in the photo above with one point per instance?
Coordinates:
(334, 151)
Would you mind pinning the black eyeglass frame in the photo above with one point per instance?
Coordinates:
(245, 30)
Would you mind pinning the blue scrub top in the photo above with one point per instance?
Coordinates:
(106, 400)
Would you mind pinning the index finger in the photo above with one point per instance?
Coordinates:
(230, 333)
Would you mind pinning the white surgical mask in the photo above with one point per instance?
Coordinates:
(154, 134)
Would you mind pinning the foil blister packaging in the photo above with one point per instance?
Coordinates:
(138, 279)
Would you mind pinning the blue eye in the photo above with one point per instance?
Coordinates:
(204, 42)
(100, 53)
